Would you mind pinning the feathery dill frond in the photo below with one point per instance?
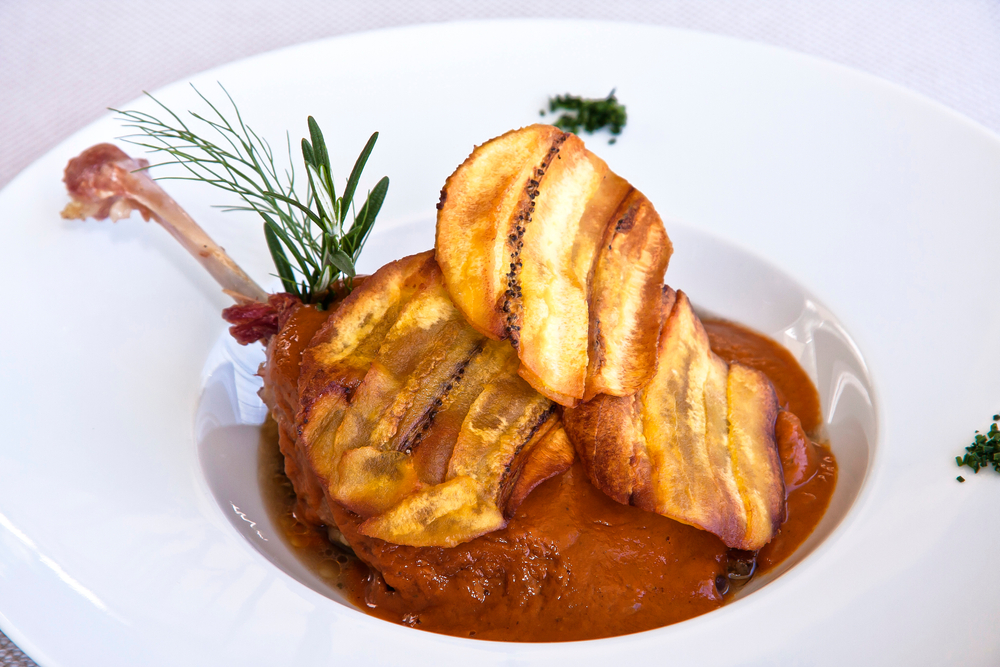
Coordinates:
(310, 242)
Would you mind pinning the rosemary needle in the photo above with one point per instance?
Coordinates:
(309, 240)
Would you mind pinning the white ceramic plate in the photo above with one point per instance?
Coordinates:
(803, 180)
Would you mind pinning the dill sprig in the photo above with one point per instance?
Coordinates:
(984, 450)
(589, 115)
(309, 241)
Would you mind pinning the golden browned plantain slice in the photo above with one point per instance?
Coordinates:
(432, 445)
(520, 223)
(443, 515)
(463, 508)
(507, 419)
(552, 455)
(340, 353)
(684, 412)
(550, 311)
(413, 372)
(625, 319)
(483, 208)
(753, 410)
(416, 421)
(607, 433)
(696, 445)
(509, 442)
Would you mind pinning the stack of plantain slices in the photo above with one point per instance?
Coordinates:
(434, 398)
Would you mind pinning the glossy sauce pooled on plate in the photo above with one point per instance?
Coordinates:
(573, 564)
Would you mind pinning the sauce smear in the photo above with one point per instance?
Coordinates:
(573, 564)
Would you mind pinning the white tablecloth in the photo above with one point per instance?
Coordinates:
(63, 62)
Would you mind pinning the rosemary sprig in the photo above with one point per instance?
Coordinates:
(310, 242)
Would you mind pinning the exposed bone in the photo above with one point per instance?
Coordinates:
(104, 182)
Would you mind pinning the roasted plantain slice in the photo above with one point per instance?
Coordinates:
(412, 373)
(502, 423)
(625, 317)
(483, 209)
(433, 443)
(607, 433)
(416, 421)
(552, 454)
(684, 412)
(550, 311)
(341, 352)
(753, 410)
(463, 508)
(509, 442)
(520, 225)
(696, 445)
(443, 515)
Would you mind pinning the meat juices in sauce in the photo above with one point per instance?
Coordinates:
(572, 564)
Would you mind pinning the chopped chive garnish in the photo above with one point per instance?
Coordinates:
(984, 450)
(589, 115)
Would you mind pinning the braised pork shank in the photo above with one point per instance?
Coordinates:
(571, 562)
(435, 415)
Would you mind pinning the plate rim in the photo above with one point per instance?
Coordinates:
(875, 465)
